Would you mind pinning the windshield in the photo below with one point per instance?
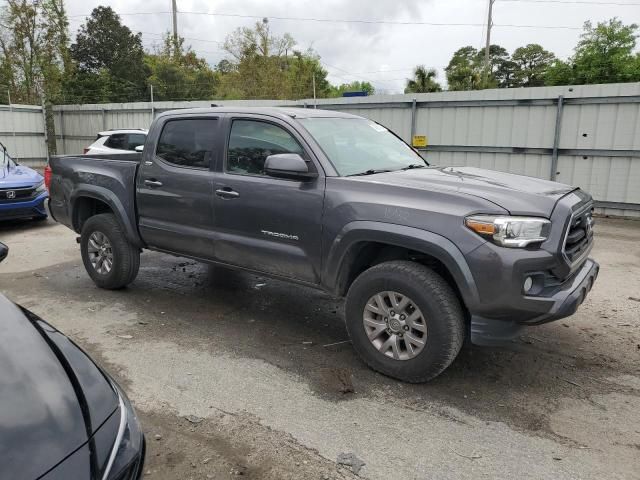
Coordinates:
(357, 146)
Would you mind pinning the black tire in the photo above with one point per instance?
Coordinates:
(442, 311)
(126, 257)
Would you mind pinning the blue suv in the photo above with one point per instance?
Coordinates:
(22, 190)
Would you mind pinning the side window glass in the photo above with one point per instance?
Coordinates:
(252, 141)
(135, 140)
(188, 142)
(117, 141)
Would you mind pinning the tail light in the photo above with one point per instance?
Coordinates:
(85, 150)
(47, 177)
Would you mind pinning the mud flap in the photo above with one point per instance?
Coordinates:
(490, 333)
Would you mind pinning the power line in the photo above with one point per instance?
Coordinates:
(575, 2)
(360, 21)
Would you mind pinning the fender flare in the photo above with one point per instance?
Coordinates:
(104, 195)
(416, 239)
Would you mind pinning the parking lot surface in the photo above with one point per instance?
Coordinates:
(236, 375)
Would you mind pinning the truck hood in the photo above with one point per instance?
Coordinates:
(52, 395)
(18, 176)
(518, 194)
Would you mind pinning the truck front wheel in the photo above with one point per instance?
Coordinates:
(404, 320)
(110, 260)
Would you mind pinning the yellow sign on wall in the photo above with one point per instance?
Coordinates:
(419, 141)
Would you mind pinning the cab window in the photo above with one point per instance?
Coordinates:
(252, 141)
(187, 142)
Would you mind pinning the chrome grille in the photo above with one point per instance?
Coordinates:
(17, 195)
(579, 236)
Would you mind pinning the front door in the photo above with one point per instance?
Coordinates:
(263, 223)
(175, 187)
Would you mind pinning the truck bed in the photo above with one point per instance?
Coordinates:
(110, 178)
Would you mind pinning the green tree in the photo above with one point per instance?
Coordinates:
(177, 73)
(532, 63)
(301, 70)
(423, 81)
(109, 61)
(466, 68)
(33, 49)
(464, 71)
(265, 65)
(498, 62)
(604, 54)
(505, 74)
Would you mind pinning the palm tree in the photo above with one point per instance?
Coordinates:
(423, 81)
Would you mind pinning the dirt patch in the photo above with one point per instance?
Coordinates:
(228, 446)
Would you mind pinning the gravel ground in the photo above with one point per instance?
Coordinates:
(231, 376)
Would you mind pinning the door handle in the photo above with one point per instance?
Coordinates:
(226, 192)
(152, 183)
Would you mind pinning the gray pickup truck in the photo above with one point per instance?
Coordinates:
(424, 255)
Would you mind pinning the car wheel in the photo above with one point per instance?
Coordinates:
(110, 260)
(404, 320)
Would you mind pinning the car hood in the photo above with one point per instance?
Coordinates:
(52, 396)
(19, 176)
(518, 194)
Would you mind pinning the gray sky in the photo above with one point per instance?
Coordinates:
(381, 53)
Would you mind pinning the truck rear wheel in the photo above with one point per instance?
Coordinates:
(110, 260)
(404, 320)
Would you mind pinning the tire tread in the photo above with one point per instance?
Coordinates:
(448, 302)
(127, 257)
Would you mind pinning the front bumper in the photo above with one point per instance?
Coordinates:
(563, 303)
(567, 300)
(24, 209)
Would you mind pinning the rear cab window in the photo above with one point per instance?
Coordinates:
(188, 142)
(125, 141)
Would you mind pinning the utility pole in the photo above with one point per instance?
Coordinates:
(315, 101)
(174, 11)
(153, 110)
(487, 66)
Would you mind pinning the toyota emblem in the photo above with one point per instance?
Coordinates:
(589, 225)
(11, 194)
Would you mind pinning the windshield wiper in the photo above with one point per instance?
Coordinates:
(371, 171)
(414, 165)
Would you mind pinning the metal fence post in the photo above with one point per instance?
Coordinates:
(64, 147)
(413, 120)
(45, 129)
(13, 127)
(556, 139)
(153, 110)
(104, 119)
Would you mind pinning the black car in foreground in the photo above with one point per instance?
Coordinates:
(61, 416)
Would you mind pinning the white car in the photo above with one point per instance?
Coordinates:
(117, 141)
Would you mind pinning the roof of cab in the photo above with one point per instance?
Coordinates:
(291, 112)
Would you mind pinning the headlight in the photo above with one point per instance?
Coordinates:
(126, 454)
(514, 232)
(41, 187)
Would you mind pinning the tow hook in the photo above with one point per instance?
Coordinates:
(78, 240)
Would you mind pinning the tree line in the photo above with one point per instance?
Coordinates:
(107, 62)
(605, 53)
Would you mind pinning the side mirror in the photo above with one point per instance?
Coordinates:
(4, 251)
(288, 165)
(139, 148)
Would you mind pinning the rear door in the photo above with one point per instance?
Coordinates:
(175, 186)
(264, 223)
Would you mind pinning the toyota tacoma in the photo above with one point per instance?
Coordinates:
(425, 256)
